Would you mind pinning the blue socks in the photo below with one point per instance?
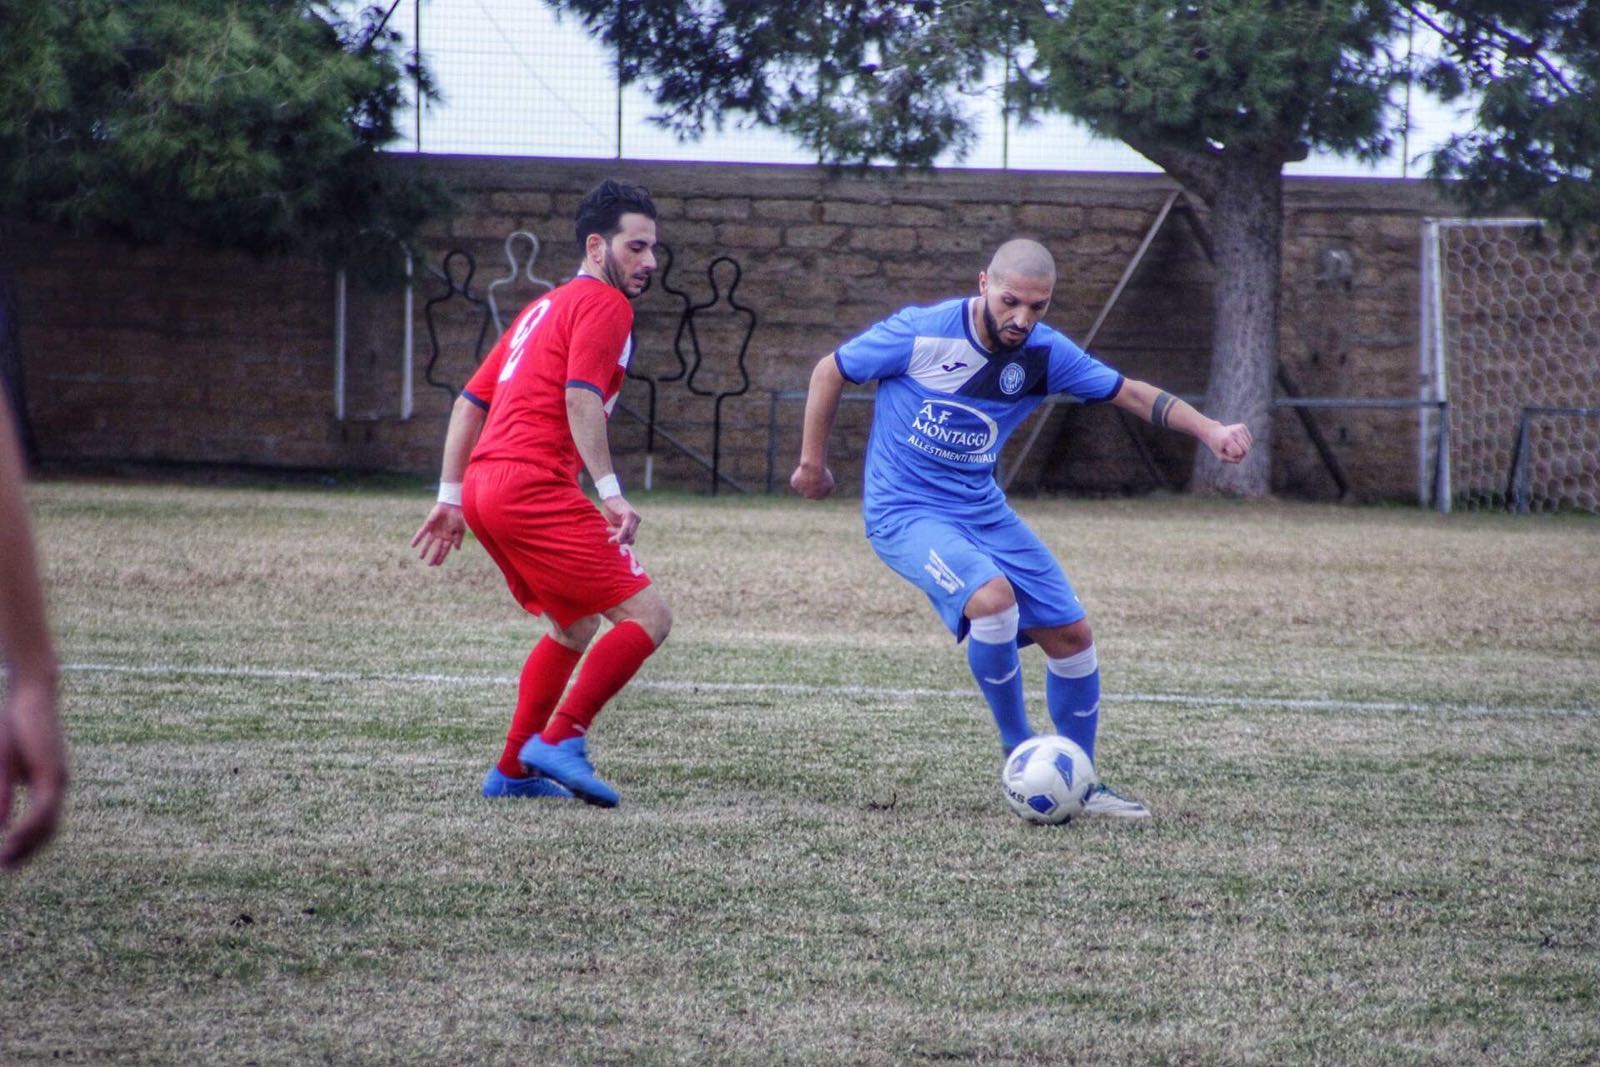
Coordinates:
(997, 667)
(1072, 692)
(1071, 684)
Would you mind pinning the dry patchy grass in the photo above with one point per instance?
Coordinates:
(294, 867)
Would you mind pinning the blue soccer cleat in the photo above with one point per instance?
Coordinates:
(568, 763)
(496, 784)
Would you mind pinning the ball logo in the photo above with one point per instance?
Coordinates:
(950, 430)
(1011, 379)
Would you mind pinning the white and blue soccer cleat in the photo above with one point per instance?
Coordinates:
(1107, 803)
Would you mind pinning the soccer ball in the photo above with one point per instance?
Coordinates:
(1046, 780)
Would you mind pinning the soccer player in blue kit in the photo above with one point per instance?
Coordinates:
(954, 380)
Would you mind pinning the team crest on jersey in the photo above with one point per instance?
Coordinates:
(1011, 379)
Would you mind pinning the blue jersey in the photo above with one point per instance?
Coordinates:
(946, 405)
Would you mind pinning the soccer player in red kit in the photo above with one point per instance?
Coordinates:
(534, 411)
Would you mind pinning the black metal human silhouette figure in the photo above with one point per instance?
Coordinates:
(447, 273)
(664, 255)
(687, 327)
(689, 352)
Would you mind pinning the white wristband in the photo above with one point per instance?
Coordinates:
(608, 487)
(450, 493)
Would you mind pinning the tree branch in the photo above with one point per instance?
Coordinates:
(1514, 44)
(1199, 172)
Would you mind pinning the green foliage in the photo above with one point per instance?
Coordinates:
(247, 123)
(857, 81)
(1179, 81)
(1536, 68)
(1183, 82)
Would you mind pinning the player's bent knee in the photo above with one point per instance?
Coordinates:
(648, 610)
(997, 629)
(660, 624)
(1060, 642)
(991, 598)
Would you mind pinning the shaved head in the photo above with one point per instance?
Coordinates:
(1023, 259)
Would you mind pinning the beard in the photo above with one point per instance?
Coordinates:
(613, 274)
(993, 327)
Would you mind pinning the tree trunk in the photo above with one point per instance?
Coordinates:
(1246, 225)
(11, 349)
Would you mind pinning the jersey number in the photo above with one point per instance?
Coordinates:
(519, 340)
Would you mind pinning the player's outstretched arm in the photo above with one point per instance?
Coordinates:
(445, 528)
(586, 417)
(33, 753)
(811, 478)
(1228, 443)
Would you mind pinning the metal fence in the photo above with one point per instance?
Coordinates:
(518, 80)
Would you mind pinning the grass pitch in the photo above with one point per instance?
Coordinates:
(1369, 737)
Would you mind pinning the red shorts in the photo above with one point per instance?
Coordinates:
(550, 541)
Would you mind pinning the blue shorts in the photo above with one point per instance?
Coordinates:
(949, 560)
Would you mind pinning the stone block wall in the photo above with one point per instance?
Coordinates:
(188, 355)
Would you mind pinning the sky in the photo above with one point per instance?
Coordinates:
(518, 81)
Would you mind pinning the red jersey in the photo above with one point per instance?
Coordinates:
(580, 334)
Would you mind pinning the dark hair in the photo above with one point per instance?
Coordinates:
(602, 209)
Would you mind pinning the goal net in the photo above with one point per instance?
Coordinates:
(1511, 338)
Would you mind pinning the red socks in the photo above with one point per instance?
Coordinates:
(544, 679)
(615, 658)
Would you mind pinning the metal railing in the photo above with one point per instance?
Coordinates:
(1437, 492)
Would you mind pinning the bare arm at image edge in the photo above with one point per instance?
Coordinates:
(33, 752)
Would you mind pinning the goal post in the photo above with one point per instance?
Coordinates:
(1509, 353)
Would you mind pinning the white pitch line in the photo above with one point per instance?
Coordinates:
(794, 689)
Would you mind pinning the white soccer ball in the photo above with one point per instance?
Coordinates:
(1047, 780)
